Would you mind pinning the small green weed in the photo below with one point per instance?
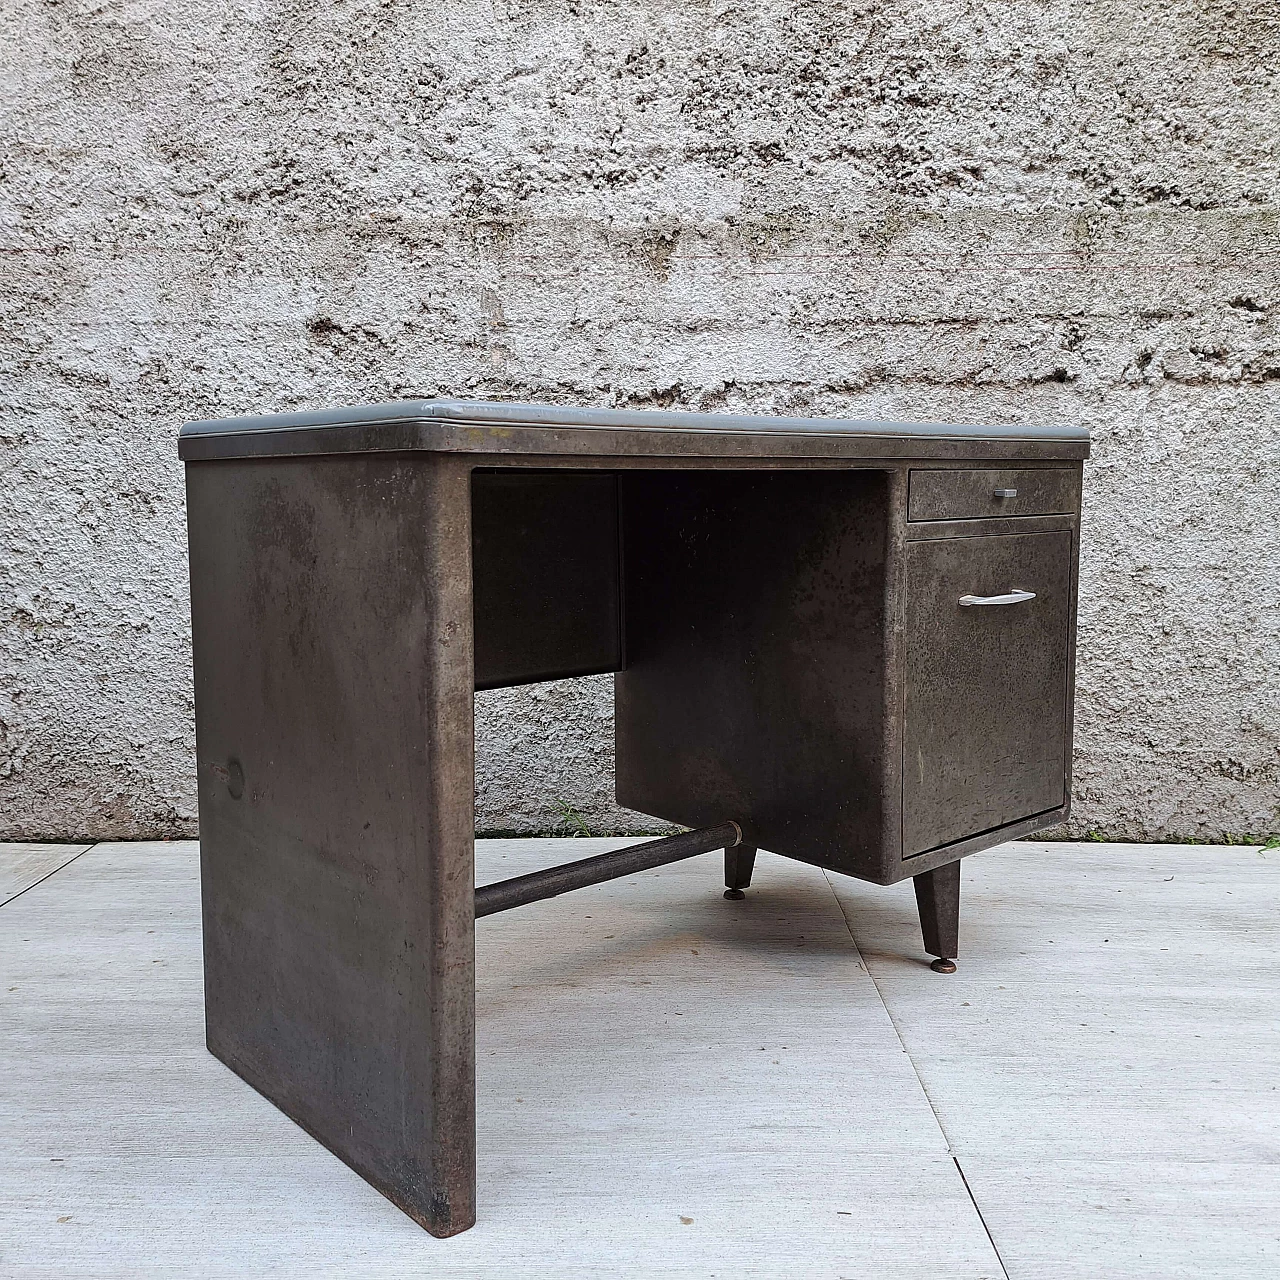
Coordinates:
(572, 820)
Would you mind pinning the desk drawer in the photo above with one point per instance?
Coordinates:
(987, 705)
(971, 495)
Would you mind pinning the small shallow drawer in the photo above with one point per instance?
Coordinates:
(973, 495)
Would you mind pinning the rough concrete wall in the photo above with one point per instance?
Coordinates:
(1057, 211)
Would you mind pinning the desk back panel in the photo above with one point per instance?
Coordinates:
(546, 577)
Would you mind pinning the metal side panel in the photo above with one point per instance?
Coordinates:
(756, 685)
(331, 611)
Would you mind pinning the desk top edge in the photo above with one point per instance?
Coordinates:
(504, 427)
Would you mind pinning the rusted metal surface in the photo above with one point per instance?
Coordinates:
(553, 881)
(332, 627)
(937, 494)
(986, 687)
(756, 681)
(791, 650)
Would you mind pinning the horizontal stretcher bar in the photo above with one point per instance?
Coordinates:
(520, 890)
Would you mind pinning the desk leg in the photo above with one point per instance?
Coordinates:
(938, 898)
(739, 862)
(331, 617)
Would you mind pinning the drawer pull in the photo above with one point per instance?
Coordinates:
(1006, 493)
(1013, 597)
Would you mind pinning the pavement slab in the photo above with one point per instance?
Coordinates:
(671, 1084)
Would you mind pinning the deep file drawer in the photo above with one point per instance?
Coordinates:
(971, 495)
(988, 635)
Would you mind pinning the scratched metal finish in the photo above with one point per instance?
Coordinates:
(331, 610)
(796, 668)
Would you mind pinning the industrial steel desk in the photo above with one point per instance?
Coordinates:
(851, 643)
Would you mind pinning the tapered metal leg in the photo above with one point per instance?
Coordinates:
(739, 862)
(331, 610)
(938, 898)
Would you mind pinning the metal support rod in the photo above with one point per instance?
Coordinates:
(537, 885)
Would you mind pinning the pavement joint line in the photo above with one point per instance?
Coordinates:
(60, 867)
(995, 1248)
(937, 1119)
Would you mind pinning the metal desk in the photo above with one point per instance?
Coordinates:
(851, 643)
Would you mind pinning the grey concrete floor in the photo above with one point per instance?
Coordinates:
(675, 1085)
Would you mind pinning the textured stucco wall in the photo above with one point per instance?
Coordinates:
(943, 208)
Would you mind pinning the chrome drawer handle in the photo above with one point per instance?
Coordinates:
(1013, 597)
(1006, 493)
